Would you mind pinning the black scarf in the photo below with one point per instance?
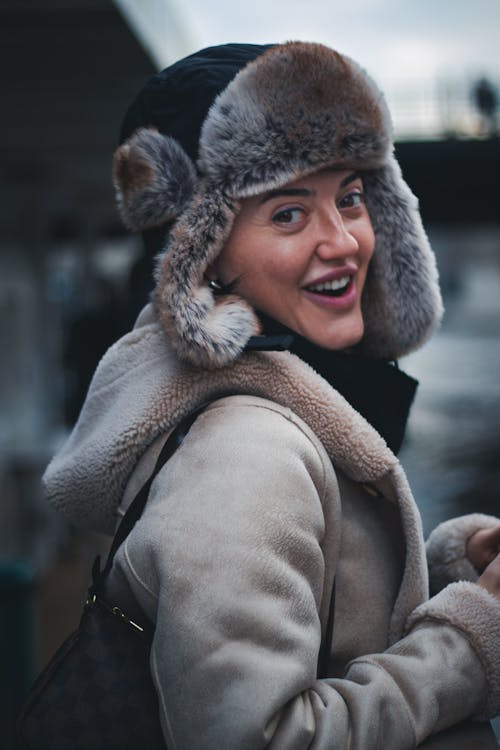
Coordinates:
(377, 389)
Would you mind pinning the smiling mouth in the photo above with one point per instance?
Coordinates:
(333, 288)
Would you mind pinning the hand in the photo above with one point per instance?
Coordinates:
(483, 547)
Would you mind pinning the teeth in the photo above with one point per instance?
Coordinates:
(330, 286)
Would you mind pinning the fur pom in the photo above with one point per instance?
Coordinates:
(205, 332)
(154, 178)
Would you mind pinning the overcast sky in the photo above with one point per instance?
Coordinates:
(396, 40)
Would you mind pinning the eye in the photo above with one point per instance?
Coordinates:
(353, 199)
(288, 216)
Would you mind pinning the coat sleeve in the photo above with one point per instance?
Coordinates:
(228, 559)
(446, 549)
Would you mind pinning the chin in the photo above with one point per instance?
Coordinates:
(335, 335)
(341, 340)
(340, 337)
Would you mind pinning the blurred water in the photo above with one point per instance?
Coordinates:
(452, 450)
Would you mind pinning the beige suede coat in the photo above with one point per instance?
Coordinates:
(274, 493)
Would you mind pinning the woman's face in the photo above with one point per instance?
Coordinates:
(301, 254)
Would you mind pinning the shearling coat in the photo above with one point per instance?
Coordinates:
(276, 491)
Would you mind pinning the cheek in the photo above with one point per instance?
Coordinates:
(262, 279)
(278, 273)
(230, 263)
(366, 240)
(239, 256)
(263, 263)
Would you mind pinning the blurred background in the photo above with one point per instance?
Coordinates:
(72, 280)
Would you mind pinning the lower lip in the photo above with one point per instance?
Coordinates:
(345, 301)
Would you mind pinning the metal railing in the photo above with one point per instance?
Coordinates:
(443, 109)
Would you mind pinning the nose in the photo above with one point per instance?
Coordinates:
(335, 240)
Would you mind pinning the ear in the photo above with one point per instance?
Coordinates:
(211, 273)
(154, 179)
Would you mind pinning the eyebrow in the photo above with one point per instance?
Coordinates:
(304, 192)
(350, 178)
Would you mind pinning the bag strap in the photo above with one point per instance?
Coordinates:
(326, 643)
(136, 507)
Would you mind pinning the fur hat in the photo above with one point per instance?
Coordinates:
(274, 114)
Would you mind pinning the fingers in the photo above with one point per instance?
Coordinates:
(490, 578)
(494, 536)
(483, 546)
(491, 543)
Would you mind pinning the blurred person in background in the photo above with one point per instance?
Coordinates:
(486, 102)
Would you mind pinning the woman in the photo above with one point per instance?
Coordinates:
(284, 509)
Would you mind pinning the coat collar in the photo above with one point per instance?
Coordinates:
(141, 389)
(377, 389)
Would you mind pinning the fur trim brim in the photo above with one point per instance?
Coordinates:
(294, 110)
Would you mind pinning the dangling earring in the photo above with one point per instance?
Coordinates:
(215, 286)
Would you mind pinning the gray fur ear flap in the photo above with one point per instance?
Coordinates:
(206, 331)
(401, 301)
(154, 179)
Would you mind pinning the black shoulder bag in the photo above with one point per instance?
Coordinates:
(96, 692)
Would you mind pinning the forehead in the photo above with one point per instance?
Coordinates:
(329, 175)
(327, 180)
